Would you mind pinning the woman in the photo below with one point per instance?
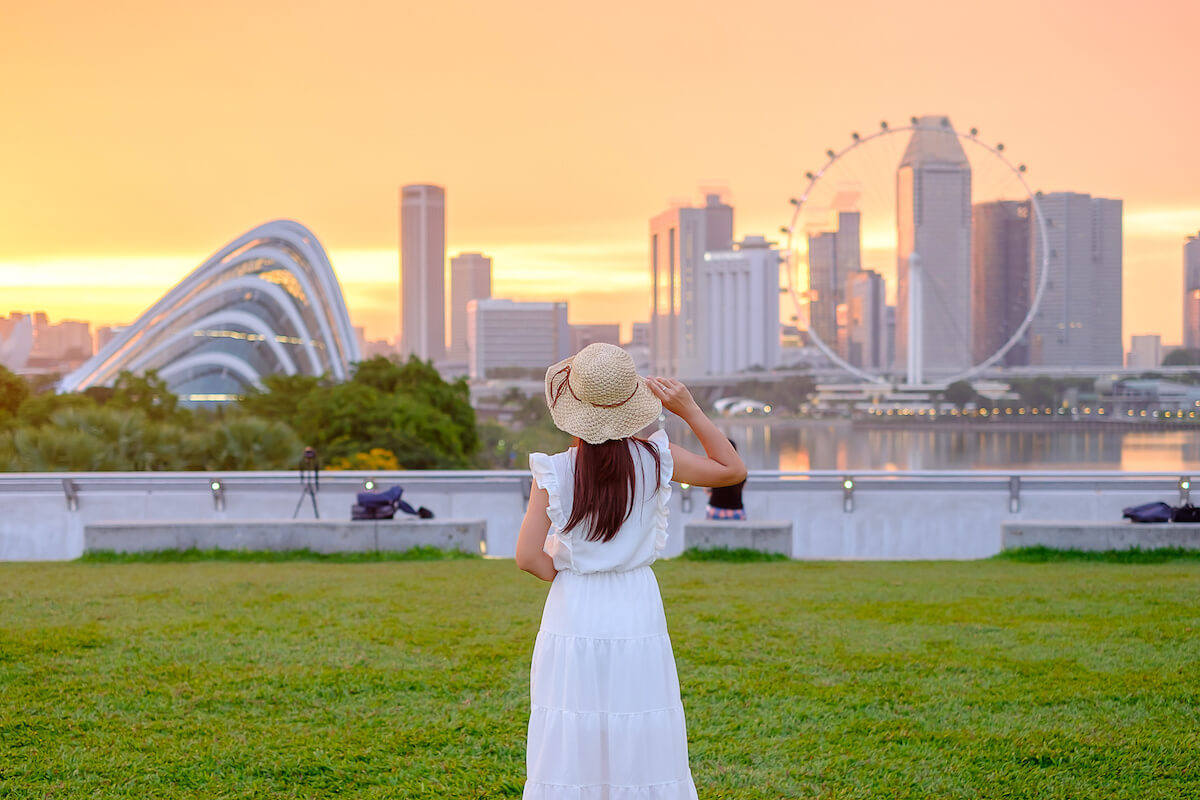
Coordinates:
(606, 718)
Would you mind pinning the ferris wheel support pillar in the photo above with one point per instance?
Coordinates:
(916, 347)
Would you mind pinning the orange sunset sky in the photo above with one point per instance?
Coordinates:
(138, 137)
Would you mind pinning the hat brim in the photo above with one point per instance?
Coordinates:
(597, 424)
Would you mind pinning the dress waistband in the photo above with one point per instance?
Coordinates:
(600, 572)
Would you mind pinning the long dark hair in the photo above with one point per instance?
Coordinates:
(605, 485)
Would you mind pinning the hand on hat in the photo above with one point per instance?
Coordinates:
(674, 395)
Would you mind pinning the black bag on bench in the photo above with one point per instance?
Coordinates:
(1149, 512)
(384, 505)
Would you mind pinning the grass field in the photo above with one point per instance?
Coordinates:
(409, 679)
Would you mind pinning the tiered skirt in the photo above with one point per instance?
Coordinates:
(606, 720)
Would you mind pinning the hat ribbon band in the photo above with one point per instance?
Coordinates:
(566, 384)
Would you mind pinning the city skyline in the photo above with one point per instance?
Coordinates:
(120, 179)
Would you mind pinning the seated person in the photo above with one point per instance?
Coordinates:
(725, 502)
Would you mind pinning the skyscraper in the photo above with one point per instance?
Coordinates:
(679, 238)
(933, 219)
(866, 320)
(604, 332)
(470, 279)
(822, 280)
(527, 336)
(423, 271)
(1191, 292)
(740, 318)
(832, 256)
(1145, 351)
(1078, 322)
(1001, 249)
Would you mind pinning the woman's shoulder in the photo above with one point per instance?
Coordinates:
(659, 439)
(548, 461)
(663, 445)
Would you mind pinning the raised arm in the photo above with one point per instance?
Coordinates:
(720, 465)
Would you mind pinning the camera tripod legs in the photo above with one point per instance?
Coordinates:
(311, 493)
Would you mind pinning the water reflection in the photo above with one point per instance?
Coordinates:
(810, 445)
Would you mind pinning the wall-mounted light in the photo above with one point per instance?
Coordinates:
(218, 493)
(369, 484)
(685, 497)
(1014, 494)
(1185, 489)
(847, 494)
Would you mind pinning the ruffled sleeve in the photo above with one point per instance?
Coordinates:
(663, 498)
(558, 544)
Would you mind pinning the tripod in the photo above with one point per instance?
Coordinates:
(310, 481)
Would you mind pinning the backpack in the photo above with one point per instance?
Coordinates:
(1186, 513)
(384, 505)
(1149, 512)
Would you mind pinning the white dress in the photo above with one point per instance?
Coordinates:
(606, 720)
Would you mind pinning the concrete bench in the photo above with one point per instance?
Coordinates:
(767, 536)
(320, 536)
(1099, 535)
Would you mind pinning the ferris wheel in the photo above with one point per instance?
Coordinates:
(932, 221)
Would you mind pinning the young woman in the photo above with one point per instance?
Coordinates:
(606, 718)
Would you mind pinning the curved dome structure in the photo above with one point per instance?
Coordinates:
(268, 302)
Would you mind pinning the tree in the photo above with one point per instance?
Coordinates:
(147, 393)
(51, 449)
(129, 440)
(1038, 392)
(13, 391)
(280, 397)
(959, 393)
(403, 407)
(1182, 357)
(39, 409)
(251, 443)
(45, 383)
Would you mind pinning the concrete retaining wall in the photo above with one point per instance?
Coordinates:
(773, 536)
(1098, 536)
(320, 536)
(882, 515)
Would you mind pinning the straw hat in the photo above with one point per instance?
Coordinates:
(597, 395)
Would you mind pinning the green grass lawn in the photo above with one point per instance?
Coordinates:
(409, 679)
